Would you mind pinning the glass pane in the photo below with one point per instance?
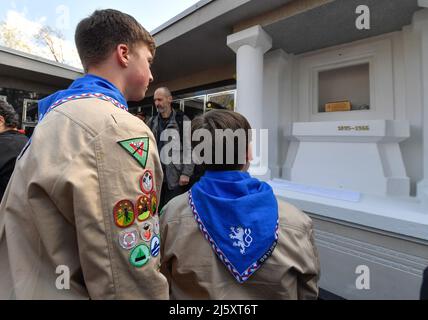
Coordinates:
(30, 111)
(176, 104)
(344, 89)
(222, 101)
(194, 107)
(147, 110)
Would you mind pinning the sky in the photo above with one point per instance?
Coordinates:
(27, 16)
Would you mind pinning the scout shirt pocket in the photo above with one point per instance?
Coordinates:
(130, 177)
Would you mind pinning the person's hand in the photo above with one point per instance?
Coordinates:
(184, 181)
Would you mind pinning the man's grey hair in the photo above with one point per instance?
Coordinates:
(9, 114)
(165, 91)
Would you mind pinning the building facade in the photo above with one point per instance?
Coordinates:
(25, 79)
(342, 88)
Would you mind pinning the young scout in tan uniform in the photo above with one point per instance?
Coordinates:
(230, 238)
(79, 217)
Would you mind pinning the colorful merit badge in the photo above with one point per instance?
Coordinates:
(123, 213)
(140, 256)
(143, 208)
(138, 148)
(128, 239)
(155, 246)
(146, 231)
(153, 203)
(147, 182)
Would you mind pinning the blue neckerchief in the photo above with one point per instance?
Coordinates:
(87, 84)
(238, 215)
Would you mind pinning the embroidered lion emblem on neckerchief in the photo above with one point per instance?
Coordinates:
(243, 236)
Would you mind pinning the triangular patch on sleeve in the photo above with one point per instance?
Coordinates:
(138, 148)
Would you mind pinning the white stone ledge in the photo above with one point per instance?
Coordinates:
(402, 216)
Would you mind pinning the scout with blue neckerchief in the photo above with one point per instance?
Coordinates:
(84, 194)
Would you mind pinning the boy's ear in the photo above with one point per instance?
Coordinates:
(122, 54)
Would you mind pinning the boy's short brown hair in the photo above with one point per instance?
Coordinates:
(224, 120)
(98, 35)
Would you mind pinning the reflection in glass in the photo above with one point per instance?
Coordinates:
(30, 111)
(194, 106)
(224, 99)
(147, 109)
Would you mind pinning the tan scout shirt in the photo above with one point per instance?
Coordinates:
(194, 271)
(57, 217)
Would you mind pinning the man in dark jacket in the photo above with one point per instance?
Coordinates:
(11, 143)
(177, 174)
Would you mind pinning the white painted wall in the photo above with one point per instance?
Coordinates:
(396, 91)
(395, 260)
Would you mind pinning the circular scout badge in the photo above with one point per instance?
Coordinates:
(124, 214)
(156, 228)
(155, 246)
(153, 203)
(128, 239)
(143, 208)
(146, 231)
(147, 182)
(140, 256)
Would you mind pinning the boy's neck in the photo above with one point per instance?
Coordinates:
(110, 76)
(3, 128)
(6, 129)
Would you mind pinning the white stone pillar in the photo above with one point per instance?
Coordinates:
(276, 94)
(250, 45)
(420, 22)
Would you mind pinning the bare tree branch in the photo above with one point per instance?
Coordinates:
(52, 39)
